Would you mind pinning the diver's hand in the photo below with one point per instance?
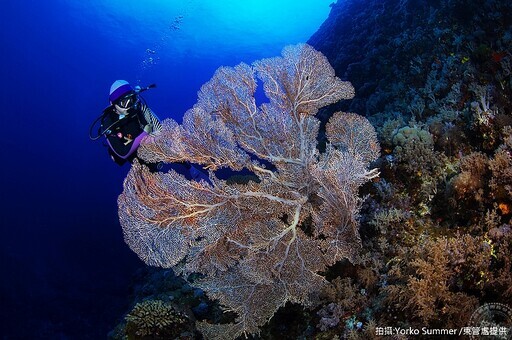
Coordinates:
(148, 128)
(151, 136)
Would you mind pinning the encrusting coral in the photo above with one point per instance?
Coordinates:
(260, 244)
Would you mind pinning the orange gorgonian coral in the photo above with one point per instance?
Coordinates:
(261, 244)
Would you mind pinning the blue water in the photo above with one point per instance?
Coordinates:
(65, 270)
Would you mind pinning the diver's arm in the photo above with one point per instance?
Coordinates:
(154, 124)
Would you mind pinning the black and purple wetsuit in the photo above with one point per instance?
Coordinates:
(125, 134)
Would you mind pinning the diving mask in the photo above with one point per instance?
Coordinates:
(127, 102)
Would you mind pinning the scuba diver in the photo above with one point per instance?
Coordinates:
(126, 121)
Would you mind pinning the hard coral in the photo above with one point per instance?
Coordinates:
(260, 244)
(155, 319)
(410, 134)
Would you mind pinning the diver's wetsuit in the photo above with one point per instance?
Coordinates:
(125, 134)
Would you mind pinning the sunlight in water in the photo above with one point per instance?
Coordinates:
(184, 27)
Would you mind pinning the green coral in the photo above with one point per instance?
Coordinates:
(155, 319)
(388, 130)
(426, 168)
(407, 134)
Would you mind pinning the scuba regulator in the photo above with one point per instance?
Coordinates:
(122, 108)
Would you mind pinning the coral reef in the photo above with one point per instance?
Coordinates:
(432, 234)
(438, 89)
(261, 244)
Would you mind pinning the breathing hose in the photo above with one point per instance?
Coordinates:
(101, 133)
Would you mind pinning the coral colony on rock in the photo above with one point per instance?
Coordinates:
(260, 244)
(308, 235)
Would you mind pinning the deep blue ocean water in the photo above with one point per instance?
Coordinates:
(65, 270)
